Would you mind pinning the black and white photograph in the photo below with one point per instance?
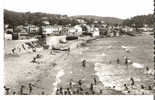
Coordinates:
(78, 47)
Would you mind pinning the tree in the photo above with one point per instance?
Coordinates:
(139, 21)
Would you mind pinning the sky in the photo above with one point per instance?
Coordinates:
(107, 8)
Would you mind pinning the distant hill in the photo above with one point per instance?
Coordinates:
(110, 20)
(140, 21)
(20, 18)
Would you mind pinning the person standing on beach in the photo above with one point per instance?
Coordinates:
(13, 50)
(21, 89)
(126, 61)
(30, 88)
(51, 51)
(6, 90)
(95, 81)
(68, 51)
(118, 61)
(132, 81)
(84, 63)
(61, 91)
(80, 83)
(91, 87)
(70, 83)
(57, 91)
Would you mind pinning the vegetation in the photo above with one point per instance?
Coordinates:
(140, 21)
(109, 20)
(19, 18)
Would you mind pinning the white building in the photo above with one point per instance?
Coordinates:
(47, 30)
(81, 21)
(51, 29)
(33, 29)
(127, 29)
(75, 31)
(78, 29)
(96, 32)
(7, 36)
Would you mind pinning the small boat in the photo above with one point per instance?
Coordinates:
(71, 37)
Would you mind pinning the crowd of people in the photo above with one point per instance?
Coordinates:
(77, 87)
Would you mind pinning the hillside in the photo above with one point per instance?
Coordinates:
(140, 21)
(20, 18)
(110, 20)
